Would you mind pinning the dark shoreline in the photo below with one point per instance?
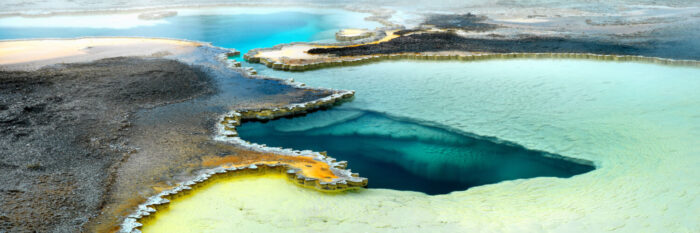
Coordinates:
(66, 130)
(447, 41)
(674, 42)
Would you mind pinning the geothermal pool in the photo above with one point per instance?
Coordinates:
(403, 154)
(530, 125)
(637, 122)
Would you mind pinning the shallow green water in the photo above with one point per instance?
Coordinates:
(527, 101)
(582, 109)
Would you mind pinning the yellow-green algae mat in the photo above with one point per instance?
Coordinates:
(271, 203)
(640, 124)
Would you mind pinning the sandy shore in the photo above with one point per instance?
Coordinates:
(33, 54)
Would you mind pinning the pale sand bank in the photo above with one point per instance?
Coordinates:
(33, 54)
(353, 32)
(297, 53)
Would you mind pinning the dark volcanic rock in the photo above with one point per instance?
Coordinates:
(433, 42)
(66, 128)
(468, 22)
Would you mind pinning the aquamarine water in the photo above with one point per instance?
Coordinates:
(640, 124)
(611, 113)
(549, 105)
(240, 30)
(402, 154)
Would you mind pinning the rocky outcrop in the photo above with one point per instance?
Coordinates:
(352, 34)
(461, 56)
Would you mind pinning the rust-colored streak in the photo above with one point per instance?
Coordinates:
(308, 166)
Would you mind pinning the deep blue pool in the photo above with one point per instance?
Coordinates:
(403, 154)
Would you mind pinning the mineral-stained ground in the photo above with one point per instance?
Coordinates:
(68, 124)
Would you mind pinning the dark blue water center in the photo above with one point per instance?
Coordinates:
(403, 154)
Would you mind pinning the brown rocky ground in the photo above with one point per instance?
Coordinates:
(109, 122)
(65, 130)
